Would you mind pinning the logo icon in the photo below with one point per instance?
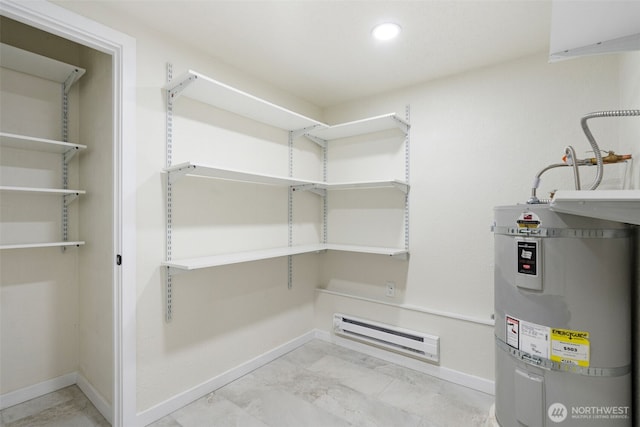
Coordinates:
(557, 412)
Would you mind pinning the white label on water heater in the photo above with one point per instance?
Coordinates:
(513, 332)
(528, 337)
(534, 339)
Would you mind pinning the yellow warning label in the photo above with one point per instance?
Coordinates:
(570, 347)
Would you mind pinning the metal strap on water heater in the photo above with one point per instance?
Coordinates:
(563, 367)
(579, 233)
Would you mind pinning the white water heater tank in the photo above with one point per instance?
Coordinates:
(562, 319)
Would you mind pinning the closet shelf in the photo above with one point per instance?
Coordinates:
(395, 183)
(359, 127)
(212, 92)
(188, 264)
(41, 245)
(399, 253)
(199, 87)
(42, 191)
(44, 67)
(199, 170)
(23, 142)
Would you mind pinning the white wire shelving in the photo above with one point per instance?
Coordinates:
(22, 61)
(202, 88)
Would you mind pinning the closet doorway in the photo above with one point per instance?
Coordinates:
(68, 311)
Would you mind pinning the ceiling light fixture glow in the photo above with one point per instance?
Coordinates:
(386, 31)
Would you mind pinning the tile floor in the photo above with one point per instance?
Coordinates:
(67, 407)
(318, 384)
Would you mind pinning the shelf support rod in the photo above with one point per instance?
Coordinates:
(169, 202)
(65, 164)
(290, 213)
(325, 204)
(407, 175)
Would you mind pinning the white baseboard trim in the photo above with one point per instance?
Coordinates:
(49, 386)
(95, 397)
(163, 409)
(31, 392)
(471, 381)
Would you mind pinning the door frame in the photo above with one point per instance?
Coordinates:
(122, 48)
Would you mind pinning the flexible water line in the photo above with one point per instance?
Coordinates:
(592, 140)
(571, 156)
(536, 182)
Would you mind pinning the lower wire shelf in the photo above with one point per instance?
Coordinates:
(41, 245)
(188, 264)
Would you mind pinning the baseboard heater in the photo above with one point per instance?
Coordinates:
(415, 344)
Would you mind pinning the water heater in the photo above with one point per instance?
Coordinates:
(562, 319)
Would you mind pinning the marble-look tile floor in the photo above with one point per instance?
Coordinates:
(324, 385)
(318, 384)
(67, 407)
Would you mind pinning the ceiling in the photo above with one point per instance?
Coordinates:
(322, 51)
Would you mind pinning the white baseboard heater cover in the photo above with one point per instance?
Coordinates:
(416, 344)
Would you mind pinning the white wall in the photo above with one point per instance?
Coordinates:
(630, 127)
(477, 140)
(95, 270)
(57, 314)
(39, 287)
(224, 316)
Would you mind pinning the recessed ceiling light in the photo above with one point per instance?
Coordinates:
(386, 31)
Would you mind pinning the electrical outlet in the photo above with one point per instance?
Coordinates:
(390, 289)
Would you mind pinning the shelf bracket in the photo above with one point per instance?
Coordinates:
(313, 188)
(304, 131)
(177, 91)
(71, 79)
(174, 271)
(402, 125)
(176, 174)
(321, 142)
(401, 257)
(70, 198)
(68, 155)
(401, 186)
